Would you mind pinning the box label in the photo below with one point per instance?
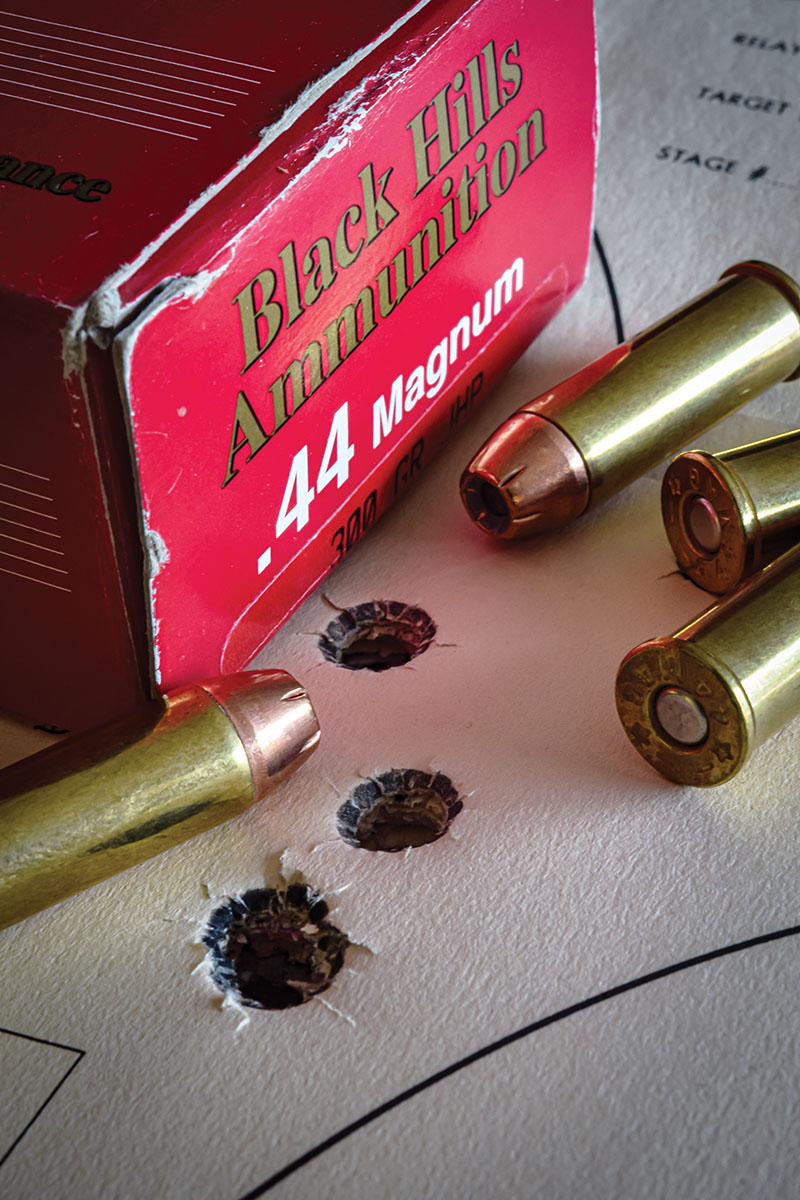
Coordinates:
(275, 399)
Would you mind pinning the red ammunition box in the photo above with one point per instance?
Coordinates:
(256, 267)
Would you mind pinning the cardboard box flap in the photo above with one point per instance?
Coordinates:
(117, 121)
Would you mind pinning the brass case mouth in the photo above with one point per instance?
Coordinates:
(104, 801)
(695, 479)
(275, 719)
(671, 663)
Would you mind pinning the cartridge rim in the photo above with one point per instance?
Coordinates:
(671, 664)
(697, 478)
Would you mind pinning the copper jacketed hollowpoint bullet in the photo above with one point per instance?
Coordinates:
(81, 811)
(728, 514)
(697, 704)
(578, 444)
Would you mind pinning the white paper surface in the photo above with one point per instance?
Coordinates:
(573, 870)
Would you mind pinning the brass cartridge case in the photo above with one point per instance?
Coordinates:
(728, 514)
(697, 704)
(578, 444)
(100, 802)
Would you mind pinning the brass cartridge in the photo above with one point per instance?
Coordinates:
(697, 704)
(100, 802)
(728, 514)
(578, 444)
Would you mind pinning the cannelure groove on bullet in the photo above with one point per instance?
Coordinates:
(85, 809)
(585, 439)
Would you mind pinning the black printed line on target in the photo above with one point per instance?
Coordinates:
(508, 1040)
(28, 1037)
(612, 290)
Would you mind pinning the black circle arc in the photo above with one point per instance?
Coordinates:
(612, 290)
(508, 1040)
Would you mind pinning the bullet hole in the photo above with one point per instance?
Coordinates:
(377, 636)
(274, 947)
(398, 809)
